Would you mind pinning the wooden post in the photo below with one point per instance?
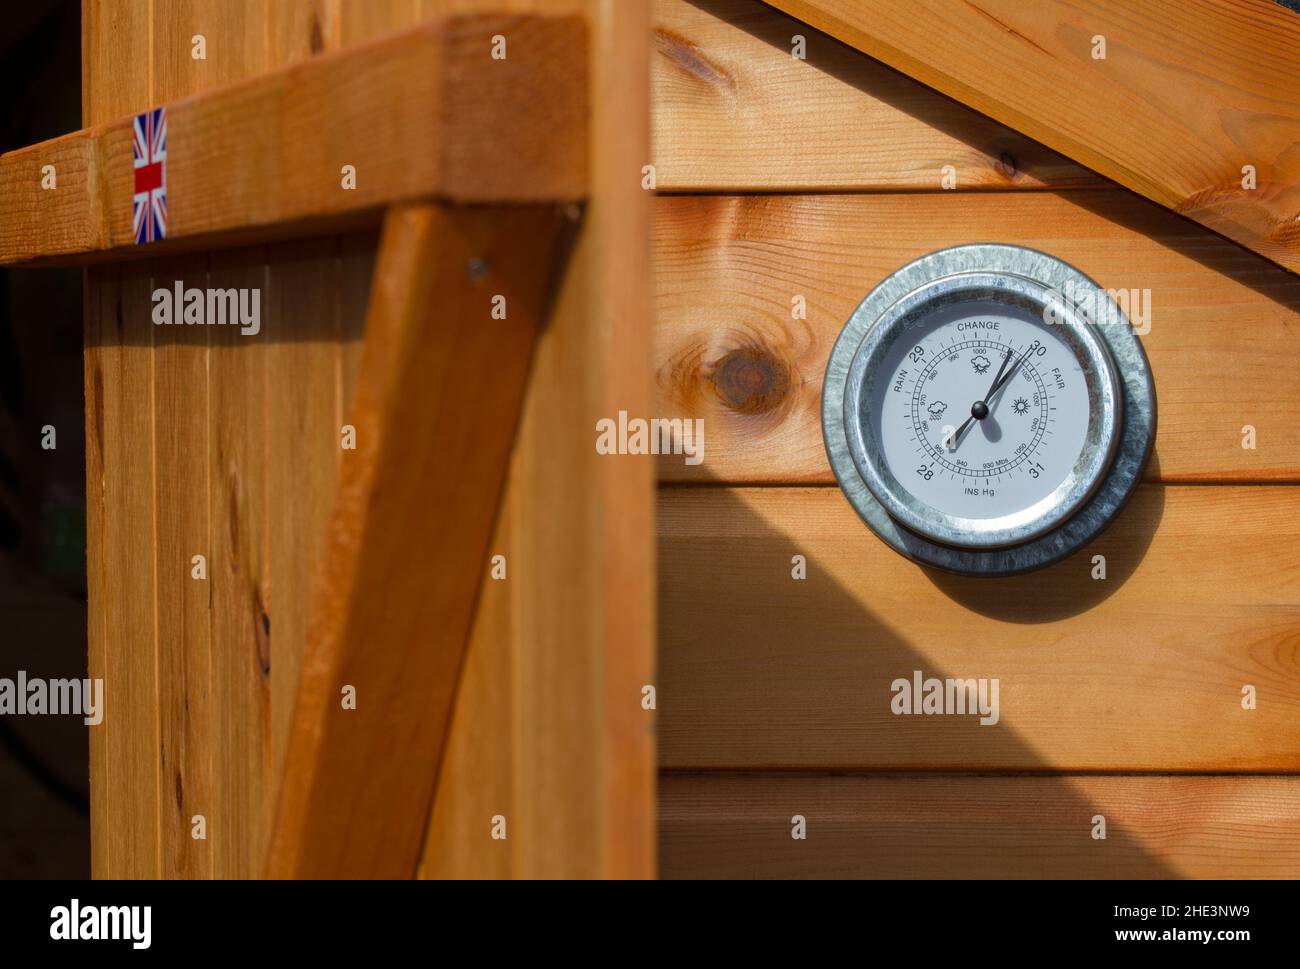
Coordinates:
(550, 731)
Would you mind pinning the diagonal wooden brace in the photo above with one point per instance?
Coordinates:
(438, 399)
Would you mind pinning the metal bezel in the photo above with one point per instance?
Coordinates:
(1097, 488)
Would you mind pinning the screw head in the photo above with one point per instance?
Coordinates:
(476, 269)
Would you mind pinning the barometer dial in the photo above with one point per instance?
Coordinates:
(984, 425)
(981, 408)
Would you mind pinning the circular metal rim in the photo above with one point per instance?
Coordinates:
(1104, 410)
(1137, 431)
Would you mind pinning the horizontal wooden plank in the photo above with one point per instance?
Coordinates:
(1168, 98)
(728, 350)
(918, 826)
(423, 113)
(734, 110)
(1143, 670)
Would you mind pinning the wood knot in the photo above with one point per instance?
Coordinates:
(317, 40)
(691, 61)
(751, 380)
(262, 631)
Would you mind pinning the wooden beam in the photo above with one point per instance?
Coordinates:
(438, 398)
(428, 112)
(1185, 97)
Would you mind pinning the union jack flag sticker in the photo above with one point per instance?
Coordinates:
(150, 152)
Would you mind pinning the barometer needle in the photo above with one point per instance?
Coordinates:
(998, 384)
(956, 435)
(998, 378)
(979, 410)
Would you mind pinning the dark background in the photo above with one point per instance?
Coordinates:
(44, 823)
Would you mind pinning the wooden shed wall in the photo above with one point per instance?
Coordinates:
(233, 458)
(229, 446)
(1122, 697)
(777, 178)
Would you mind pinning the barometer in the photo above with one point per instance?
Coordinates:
(988, 409)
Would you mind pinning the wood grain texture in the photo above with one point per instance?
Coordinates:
(477, 779)
(115, 42)
(442, 8)
(1186, 95)
(587, 750)
(408, 534)
(734, 111)
(239, 573)
(303, 441)
(427, 112)
(224, 459)
(728, 350)
(483, 773)
(263, 522)
(910, 826)
(234, 34)
(362, 19)
(99, 301)
(578, 608)
(304, 358)
(183, 614)
(288, 383)
(301, 29)
(125, 797)
(183, 465)
(1141, 671)
(356, 266)
(120, 541)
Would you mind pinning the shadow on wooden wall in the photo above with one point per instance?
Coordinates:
(765, 684)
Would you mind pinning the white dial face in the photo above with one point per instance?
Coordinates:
(982, 411)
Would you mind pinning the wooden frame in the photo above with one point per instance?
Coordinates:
(423, 113)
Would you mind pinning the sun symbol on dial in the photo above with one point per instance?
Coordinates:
(1020, 405)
